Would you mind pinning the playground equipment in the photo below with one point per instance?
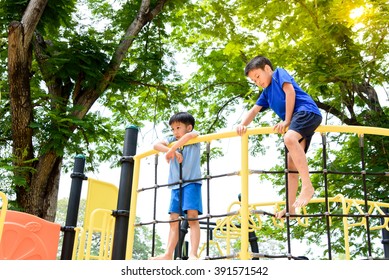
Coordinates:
(27, 237)
(228, 228)
(244, 216)
(98, 221)
(111, 212)
(112, 247)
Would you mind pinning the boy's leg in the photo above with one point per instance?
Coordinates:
(172, 240)
(194, 234)
(293, 182)
(174, 210)
(192, 204)
(297, 154)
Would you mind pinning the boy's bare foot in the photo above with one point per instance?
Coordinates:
(304, 197)
(193, 258)
(281, 214)
(161, 257)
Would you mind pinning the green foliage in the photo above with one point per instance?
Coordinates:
(56, 14)
(191, 57)
(11, 10)
(143, 243)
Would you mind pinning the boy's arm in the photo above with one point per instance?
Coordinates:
(290, 100)
(171, 152)
(184, 139)
(290, 96)
(161, 146)
(247, 119)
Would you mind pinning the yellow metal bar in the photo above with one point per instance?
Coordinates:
(4, 205)
(98, 213)
(353, 129)
(77, 254)
(385, 223)
(228, 240)
(269, 130)
(134, 196)
(345, 227)
(244, 174)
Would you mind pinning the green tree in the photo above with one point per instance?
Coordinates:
(58, 67)
(64, 63)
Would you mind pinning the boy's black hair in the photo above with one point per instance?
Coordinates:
(257, 62)
(183, 117)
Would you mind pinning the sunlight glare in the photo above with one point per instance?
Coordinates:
(356, 13)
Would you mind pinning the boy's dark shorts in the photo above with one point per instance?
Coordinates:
(305, 123)
(191, 199)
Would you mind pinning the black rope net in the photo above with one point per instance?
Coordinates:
(227, 226)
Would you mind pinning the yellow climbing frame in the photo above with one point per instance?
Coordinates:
(244, 174)
(228, 228)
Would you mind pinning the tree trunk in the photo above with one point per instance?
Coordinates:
(38, 193)
(40, 199)
(19, 62)
(19, 69)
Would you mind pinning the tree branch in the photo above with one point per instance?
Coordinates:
(368, 94)
(210, 129)
(313, 16)
(332, 110)
(57, 87)
(144, 16)
(31, 18)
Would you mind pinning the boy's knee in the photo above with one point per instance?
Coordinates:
(192, 219)
(289, 140)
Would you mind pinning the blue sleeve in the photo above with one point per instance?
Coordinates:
(170, 139)
(283, 77)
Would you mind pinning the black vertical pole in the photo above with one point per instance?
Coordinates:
(155, 202)
(178, 251)
(73, 206)
(325, 174)
(385, 235)
(364, 184)
(181, 234)
(124, 199)
(287, 203)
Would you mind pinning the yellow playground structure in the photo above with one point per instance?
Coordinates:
(111, 211)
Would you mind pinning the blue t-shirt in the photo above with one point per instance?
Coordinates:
(274, 97)
(190, 164)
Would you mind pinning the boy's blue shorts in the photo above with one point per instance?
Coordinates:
(305, 123)
(191, 199)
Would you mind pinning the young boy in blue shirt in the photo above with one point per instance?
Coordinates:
(300, 117)
(182, 125)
